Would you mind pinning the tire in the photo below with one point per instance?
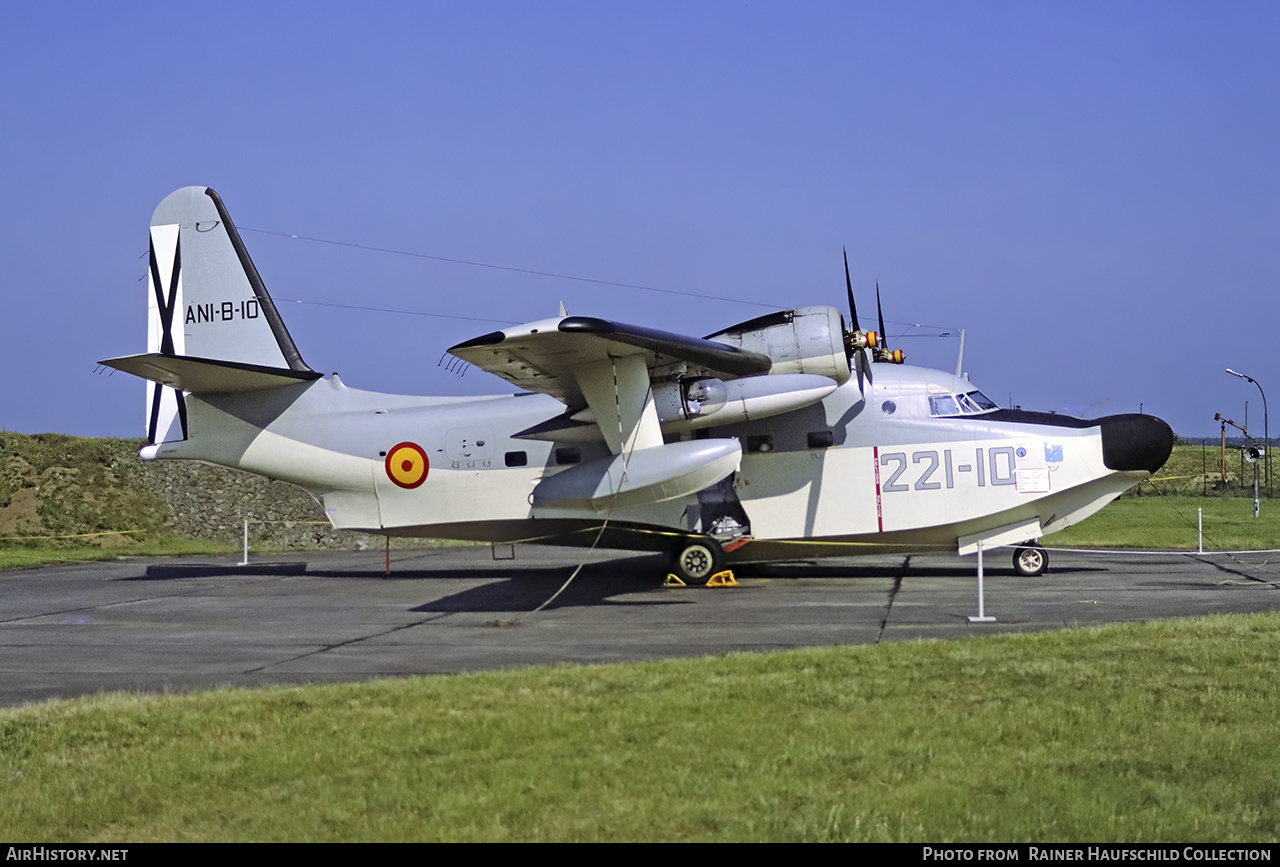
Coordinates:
(1030, 561)
(696, 560)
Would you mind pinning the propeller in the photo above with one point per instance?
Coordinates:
(855, 339)
(882, 352)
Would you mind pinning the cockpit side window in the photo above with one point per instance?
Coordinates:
(942, 404)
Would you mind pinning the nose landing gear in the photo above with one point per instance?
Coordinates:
(1030, 560)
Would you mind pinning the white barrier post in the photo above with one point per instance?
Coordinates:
(1200, 529)
(982, 611)
(244, 561)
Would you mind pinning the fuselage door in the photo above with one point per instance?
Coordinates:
(469, 447)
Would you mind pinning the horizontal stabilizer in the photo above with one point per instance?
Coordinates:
(208, 375)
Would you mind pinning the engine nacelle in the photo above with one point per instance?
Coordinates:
(804, 340)
(689, 404)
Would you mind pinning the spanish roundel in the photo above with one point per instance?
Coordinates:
(407, 465)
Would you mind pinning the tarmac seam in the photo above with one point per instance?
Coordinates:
(349, 641)
(1240, 571)
(100, 606)
(893, 594)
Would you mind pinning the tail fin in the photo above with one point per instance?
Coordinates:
(211, 326)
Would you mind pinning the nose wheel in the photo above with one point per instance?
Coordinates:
(1030, 560)
(696, 560)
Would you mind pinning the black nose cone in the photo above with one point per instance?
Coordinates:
(1135, 442)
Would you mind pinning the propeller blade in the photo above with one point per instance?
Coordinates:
(848, 285)
(857, 342)
(884, 335)
(883, 352)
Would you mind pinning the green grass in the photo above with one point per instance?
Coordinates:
(1140, 732)
(1155, 521)
(21, 554)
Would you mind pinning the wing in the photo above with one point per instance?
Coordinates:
(547, 356)
(607, 366)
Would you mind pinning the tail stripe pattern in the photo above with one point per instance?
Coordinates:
(166, 307)
(167, 300)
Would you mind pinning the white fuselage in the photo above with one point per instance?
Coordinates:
(869, 468)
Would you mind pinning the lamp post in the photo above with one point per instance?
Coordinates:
(1266, 436)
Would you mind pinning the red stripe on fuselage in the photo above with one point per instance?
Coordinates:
(875, 456)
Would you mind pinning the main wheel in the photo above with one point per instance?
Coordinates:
(1030, 560)
(696, 560)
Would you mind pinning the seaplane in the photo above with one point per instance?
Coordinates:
(792, 436)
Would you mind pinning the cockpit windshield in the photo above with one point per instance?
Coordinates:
(969, 403)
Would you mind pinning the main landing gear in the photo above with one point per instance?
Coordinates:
(1030, 560)
(694, 561)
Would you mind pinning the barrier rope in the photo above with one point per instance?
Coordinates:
(72, 535)
(1241, 563)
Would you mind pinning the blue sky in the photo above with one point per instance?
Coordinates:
(1090, 190)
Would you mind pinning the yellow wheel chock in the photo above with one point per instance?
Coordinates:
(720, 579)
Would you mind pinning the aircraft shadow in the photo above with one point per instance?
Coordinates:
(453, 573)
(964, 571)
(597, 581)
(524, 597)
(640, 564)
(171, 571)
(522, 590)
